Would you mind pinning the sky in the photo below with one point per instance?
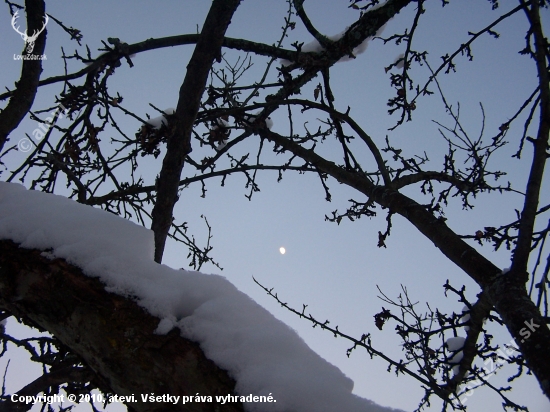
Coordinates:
(335, 269)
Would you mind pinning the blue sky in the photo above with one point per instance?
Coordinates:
(334, 269)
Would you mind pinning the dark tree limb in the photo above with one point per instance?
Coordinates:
(509, 292)
(479, 312)
(179, 143)
(111, 334)
(23, 96)
(525, 323)
(322, 39)
(532, 195)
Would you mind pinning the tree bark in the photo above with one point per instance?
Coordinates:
(112, 334)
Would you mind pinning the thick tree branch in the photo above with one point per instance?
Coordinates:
(509, 294)
(112, 334)
(479, 312)
(322, 39)
(23, 96)
(179, 143)
(532, 195)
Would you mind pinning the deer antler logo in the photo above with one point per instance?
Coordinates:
(29, 40)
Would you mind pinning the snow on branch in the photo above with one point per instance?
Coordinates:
(263, 355)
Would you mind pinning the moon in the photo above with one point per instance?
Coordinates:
(282, 250)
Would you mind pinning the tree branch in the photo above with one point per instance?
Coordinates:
(451, 245)
(179, 142)
(23, 96)
(110, 333)
(532, 195)
(171, 41)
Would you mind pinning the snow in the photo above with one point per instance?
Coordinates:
(400, 61)
(456, 358)
(315, 47)
(158, 121)
(455, 343)
(466, 317)
(261, 353)
(221, 122)
(221, 145)
(250, 118)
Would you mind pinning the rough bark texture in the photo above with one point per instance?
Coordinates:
(111, 333)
